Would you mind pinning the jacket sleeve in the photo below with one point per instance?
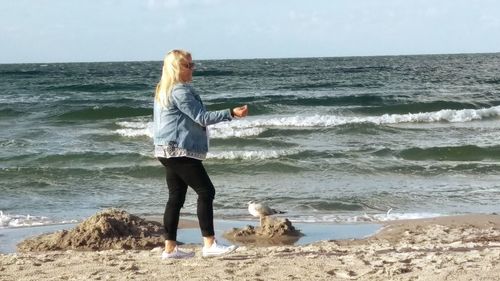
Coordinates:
(187, 103)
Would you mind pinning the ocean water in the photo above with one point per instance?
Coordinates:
(327, 140)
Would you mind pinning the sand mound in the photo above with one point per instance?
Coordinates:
(274, 231)
(109, 229)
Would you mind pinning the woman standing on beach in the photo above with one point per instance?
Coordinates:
(181, 143)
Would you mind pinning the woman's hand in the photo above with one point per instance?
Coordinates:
(241, 111)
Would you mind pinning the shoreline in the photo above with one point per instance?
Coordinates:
(189, 233)
(455, 248)
(189, 228)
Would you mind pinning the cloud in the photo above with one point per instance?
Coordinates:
(154, 4)
(490, 21)
(180, 4)
(179, 22)
(308, 21)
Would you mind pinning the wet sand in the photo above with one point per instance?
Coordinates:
(445, 248)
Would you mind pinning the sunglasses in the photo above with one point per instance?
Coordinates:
(189, 65)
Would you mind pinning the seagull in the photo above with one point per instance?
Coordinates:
(261, 210)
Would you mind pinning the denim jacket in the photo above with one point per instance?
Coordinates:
(180, 129)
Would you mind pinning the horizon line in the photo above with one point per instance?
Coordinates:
(262, 58)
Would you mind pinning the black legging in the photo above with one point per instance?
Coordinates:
(181, 173)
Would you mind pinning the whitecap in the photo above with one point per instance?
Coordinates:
(135, 129)
(8, 220)
(250, 155)
(254, 126)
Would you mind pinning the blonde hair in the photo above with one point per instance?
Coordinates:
(170, 75)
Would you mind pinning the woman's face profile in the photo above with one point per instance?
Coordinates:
(186, 70)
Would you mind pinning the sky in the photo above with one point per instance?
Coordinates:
(145, 30)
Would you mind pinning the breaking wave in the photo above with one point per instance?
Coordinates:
(254, 127)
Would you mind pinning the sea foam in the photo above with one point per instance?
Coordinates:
(135, 129)
(250, 155)
(381, 217)
(254, 126)
(7, 220)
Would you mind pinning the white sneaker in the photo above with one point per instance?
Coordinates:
(176, 254)
(217, 250)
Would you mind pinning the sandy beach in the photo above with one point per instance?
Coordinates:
(445, 248)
